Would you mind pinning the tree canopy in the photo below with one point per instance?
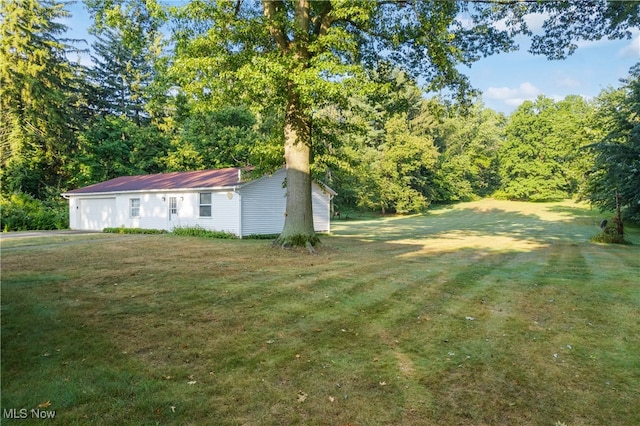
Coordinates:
(541, 157)
(616, 169)
(304, 55)
(328, 88)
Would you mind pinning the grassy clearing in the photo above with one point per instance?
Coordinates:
(480, 313)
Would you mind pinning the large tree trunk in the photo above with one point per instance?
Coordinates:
(298, 224)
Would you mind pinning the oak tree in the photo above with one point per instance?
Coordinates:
(303, 55)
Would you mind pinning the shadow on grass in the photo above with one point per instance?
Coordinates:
(474, 223)
(368, 337)
(461, 316)
(60, 357)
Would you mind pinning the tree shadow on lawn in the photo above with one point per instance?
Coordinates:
(395, 335)
(474, 226)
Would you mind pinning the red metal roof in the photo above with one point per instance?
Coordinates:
(176, 180)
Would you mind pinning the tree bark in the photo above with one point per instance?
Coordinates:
(618, 218)
(298, 224)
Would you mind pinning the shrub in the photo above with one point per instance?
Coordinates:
(123, 230)
(22, 212)
(197, 231)
(262, 236)
(609, 235)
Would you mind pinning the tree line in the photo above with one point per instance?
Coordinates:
(148, 103)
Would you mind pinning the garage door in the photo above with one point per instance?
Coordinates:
(97, 213)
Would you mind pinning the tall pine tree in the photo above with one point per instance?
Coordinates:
(122, 137)
(125, 54)
(38, 90)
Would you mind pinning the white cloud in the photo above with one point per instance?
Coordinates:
(632, 50)
(500, 25)
(567, 82)
(467, 23)
(513, 96)
(534, 22)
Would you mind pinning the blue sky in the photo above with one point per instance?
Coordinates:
(508, 79)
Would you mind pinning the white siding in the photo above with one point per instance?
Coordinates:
(321, 209)
(226, 211)
(258, 208)
(94, 214)
(74, 213)
(122, 212)
(225, 214)
(187, 204)
(98, 213)
(154, 213)
(264, 205)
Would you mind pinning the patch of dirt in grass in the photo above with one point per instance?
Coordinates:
(405, 365)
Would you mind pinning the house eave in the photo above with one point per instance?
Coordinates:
(67, 195)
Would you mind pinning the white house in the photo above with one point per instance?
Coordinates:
(217, 200)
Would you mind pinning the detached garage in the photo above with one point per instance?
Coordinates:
(217, 200)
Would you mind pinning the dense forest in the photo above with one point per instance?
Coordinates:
(385, 144)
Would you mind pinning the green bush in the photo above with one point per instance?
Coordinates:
(22, 212)
(262, 236)
(197, 231)
(609, 235)
(532, 197)
(123, 230)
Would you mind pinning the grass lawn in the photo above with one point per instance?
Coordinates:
(483, 313)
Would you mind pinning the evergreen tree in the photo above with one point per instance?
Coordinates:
(122, 76)
(123, 135)
(38, 92)
(129, 62)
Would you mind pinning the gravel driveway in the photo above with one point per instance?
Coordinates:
(32, 234)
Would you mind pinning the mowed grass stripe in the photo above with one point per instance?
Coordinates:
(549, 266)
(501, 366)
(372, 329)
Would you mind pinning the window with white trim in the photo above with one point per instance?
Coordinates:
(205, 204)
(134, 207)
